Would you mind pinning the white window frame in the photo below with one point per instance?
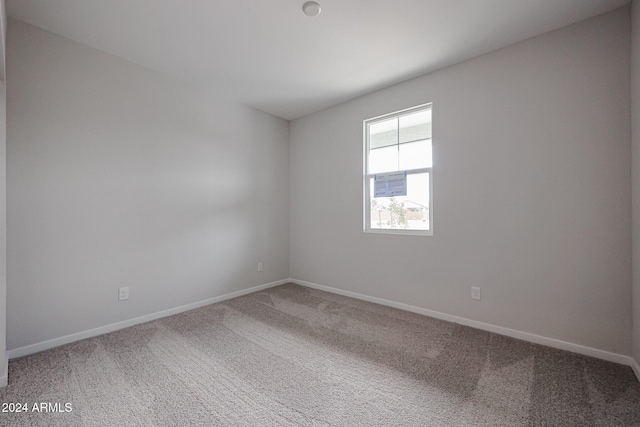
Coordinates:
(368, 176)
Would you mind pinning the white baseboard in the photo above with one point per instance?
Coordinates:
(525, 336)
(635, 367)
(45, 345)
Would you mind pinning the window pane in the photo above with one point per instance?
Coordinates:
(383, 159)
(410, 212)
(415, 155)
(383, 134)
(415, 126)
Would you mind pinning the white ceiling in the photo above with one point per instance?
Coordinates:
(268, 54)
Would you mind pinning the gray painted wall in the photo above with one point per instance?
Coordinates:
(532, 184)
(3, 202)
(119, 176)
(3, 234)
(635, 131)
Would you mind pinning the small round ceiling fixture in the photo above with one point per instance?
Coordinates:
(311, 8)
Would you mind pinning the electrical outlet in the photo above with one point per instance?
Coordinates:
(123, 293)
(260, 267)
(475, 293)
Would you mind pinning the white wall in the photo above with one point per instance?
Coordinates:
(3, 202)
(532, 190)
(3, 236)
(635, 131)
(119, 176)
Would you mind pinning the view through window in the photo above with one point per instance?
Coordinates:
(398, 172)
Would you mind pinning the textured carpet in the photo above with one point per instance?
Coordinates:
(292, 356)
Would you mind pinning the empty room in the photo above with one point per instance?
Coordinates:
(320, 213)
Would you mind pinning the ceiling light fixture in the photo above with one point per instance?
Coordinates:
(311, 8)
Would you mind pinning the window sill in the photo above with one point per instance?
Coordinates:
(400, 232)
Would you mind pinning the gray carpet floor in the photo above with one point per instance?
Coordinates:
(293, 356)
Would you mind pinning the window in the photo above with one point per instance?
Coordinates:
(398, 178)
